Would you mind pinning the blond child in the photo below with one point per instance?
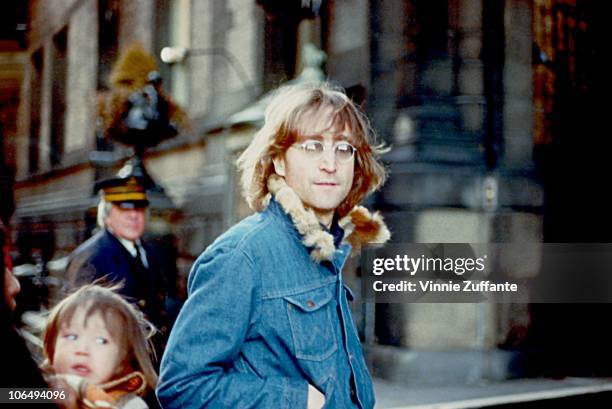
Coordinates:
(98, 343)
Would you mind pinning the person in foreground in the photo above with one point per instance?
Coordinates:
(96, 342)
(267, 322)
(20, 369)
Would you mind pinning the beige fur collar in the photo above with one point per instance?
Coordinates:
(360, 226)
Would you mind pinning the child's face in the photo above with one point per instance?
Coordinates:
(85, 347)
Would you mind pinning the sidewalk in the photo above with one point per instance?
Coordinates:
(390, 395)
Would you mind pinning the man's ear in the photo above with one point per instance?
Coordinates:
(279, 165)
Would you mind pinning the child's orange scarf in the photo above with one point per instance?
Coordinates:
(109, 394)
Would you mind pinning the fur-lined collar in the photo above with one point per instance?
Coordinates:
(360, 226)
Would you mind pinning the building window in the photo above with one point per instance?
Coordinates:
(58, 96)
(281, 35)
(108, 39)
(562, 58)
(432, 30)
(35, 108)
(280, 52)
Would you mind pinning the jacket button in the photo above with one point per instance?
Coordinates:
(310, 303)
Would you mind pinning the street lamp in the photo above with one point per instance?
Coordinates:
(173, 55)
(177, 54)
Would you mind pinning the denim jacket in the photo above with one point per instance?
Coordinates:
(262, 321)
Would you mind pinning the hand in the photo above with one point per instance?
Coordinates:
(316, 399)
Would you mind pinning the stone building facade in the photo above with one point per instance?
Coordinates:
(450, 85)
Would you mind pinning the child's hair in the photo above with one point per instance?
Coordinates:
(131, 330)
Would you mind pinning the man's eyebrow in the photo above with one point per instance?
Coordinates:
(316, 137)
(343, 136)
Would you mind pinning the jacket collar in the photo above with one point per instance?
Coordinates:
(360, 226)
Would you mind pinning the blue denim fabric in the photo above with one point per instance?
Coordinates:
(261, 322)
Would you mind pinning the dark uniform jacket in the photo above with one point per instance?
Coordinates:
(103, 256)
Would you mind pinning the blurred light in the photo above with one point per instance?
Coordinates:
(404, 131)
(172, 55)
(490, 192)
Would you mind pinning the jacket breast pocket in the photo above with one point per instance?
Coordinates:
(310, 318)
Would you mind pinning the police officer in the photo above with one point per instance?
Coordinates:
(117, 253)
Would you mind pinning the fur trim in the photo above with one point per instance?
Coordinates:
(360, 226)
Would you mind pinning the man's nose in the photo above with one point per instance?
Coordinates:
(328, 161)
(132, 213)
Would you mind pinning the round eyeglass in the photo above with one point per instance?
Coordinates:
(343, 151)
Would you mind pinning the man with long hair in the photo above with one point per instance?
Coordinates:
(267, 322)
